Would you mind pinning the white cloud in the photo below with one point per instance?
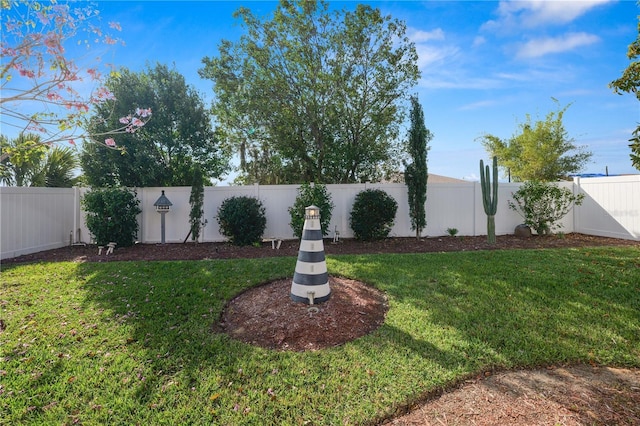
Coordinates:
(430, 55)
(557, 12)
(576, 92)
(515, 76)
(478, 105)
(536, 13)
(419, 36)
(479, 41)
(457, 80)
(430, 47)
(543, 46)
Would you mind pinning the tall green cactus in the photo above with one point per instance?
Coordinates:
(490, 197)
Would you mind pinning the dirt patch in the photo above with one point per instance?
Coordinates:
(571, 396)
(562, 395)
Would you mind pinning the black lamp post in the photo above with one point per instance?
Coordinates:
(162, 206)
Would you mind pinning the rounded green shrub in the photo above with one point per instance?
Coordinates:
(542, 205)
(308, 195)
(110, 215)
(242, 220)
(373, 214)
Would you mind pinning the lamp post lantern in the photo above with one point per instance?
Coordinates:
(163, 206)
(311, 280)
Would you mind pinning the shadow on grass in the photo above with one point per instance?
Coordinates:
(450, 315)
(531, 307)
(165, 315)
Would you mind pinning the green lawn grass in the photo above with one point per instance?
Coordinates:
(132, 342)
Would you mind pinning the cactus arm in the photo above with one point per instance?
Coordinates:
(483, 184)
(494, 201)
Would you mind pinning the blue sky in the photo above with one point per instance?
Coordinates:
(485, 65)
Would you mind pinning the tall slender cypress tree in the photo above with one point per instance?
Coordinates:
(416, 173)
(196, 199)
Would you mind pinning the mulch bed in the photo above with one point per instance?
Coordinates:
(222, 250)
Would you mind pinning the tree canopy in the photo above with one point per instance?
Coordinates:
(44, 76)
(416, 172)
(30, 163)
(629, 82)
(541, 150)
(22, 159)
(311, 95)
(164, 151)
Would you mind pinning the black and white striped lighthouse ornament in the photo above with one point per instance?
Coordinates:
(311, 281)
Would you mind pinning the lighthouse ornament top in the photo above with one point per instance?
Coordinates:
(311, 281)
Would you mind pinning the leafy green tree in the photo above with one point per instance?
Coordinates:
(164, 151)
(59, 169)
(23, 157)
(542, 205)
(5, 171)
(311, 194)
(416, 172)
(541, 151)
(30, 163)
(314, 96)
(629, 82)
(196, 200)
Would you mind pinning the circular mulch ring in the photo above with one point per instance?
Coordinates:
(266, 316)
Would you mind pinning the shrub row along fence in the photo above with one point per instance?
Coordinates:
(36, 219)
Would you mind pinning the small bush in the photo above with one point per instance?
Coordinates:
(242, 220)
(452, 232)
(373, 214)
(111, 215)
(542, 205)
(308, 195)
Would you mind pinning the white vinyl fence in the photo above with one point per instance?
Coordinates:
(36, 219)
(611, 207)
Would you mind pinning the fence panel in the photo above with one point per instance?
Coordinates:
(450, 205)
(611, 207)
(35, 219)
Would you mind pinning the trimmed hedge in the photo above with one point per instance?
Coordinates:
(373, 214)
(242, 220)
